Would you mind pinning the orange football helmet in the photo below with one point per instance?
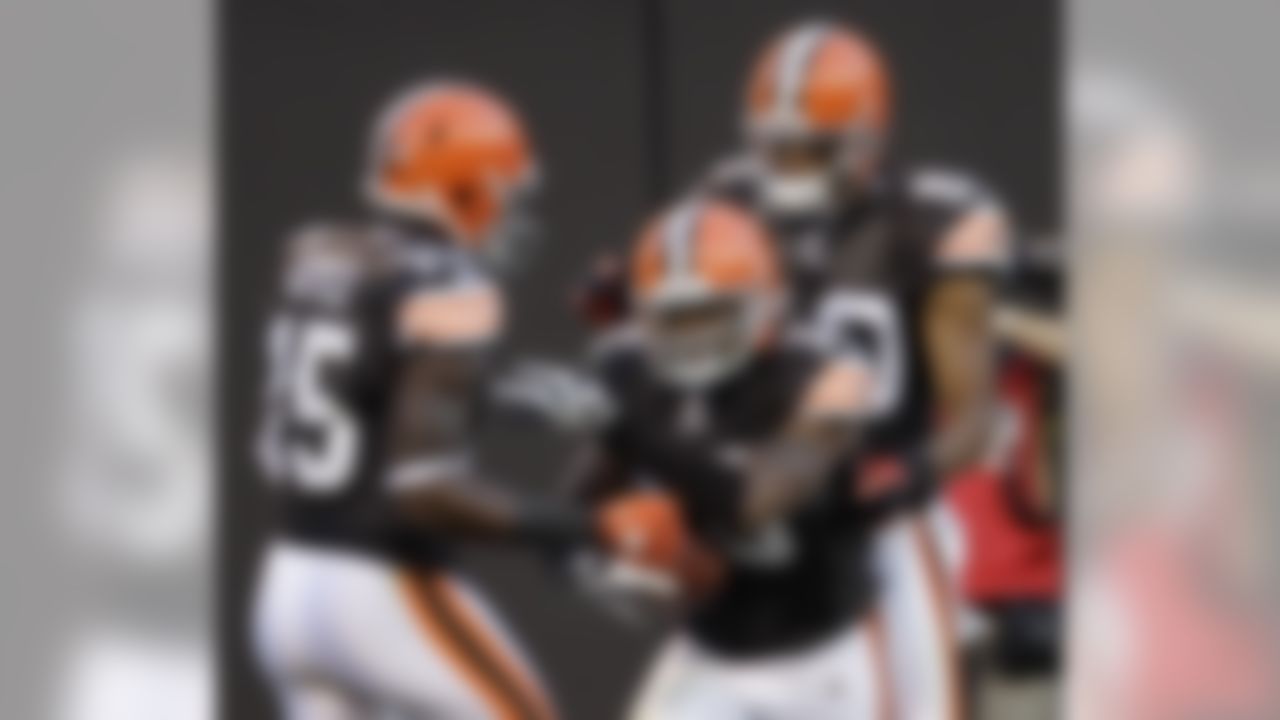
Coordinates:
(817, 114)
(708, 289)
(452, 153)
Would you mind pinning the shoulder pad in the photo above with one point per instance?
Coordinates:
(320, 238)
(974, 232)
(325, 261)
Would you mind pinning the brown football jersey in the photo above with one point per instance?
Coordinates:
(376, 348)
(859, 277)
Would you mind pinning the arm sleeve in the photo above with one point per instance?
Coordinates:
(443, 339)
(432, 416)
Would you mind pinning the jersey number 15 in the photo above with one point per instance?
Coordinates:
(308, 436)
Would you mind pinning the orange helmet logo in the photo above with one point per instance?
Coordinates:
(451, 152)
(819, 78)
(711, 245)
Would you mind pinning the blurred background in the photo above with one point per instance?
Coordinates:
(1163, 208)
(1174, 260)
(108, 359)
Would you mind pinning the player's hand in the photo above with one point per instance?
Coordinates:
(646, 531)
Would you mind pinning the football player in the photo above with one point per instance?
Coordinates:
(755, 435)
(897, 266)
(377, 353)
(900, 266)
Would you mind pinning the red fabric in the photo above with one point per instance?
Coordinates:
(601, 300)
(1007, 555)
(1193, 652)
(1200, 641)
(878, 477)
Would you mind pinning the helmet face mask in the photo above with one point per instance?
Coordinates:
(816, 118)
(702, 338)
(708, 291)
(799, 172)
(810, 173)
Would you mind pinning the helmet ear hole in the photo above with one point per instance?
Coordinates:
(471, 206)
(464, 196)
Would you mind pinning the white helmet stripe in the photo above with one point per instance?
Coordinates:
(797, 52)
(678, 239)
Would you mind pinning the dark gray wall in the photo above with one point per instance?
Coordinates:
(975, 83)
(627, 100)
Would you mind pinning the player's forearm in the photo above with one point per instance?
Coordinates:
(962, 352)
(963, 435)
(790, 474)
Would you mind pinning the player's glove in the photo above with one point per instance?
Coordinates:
(569, 401)
(602, 299)
(648, 564)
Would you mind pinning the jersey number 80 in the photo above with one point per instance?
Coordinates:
(866, 325)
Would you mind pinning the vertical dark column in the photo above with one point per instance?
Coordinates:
(655, 83)
(976, 85)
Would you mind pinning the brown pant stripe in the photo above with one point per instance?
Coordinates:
(446, 631)
(883, 670)
(507, 663)
(940, 592)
